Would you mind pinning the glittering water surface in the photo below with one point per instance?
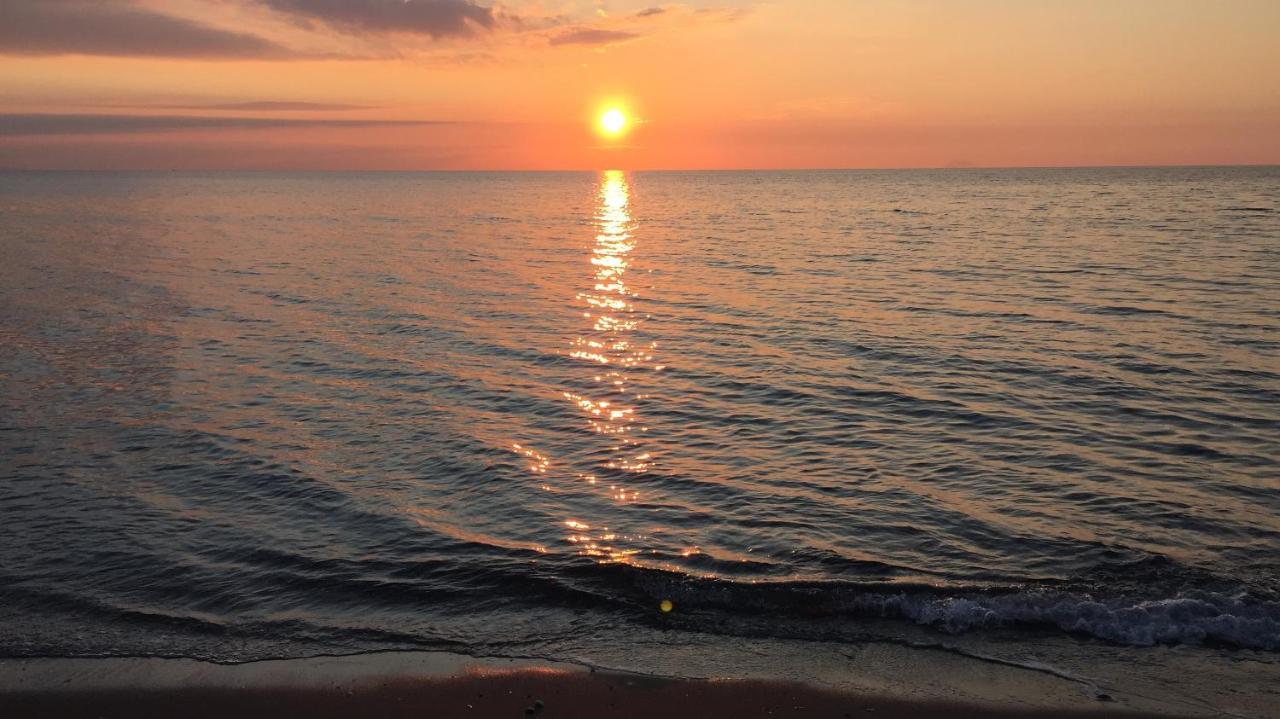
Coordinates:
(240, 414)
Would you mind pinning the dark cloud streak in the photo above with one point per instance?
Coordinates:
(268, 106)
(592, 36)
(35, 124)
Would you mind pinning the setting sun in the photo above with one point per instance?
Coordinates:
(613, 122)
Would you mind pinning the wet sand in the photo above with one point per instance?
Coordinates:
(531, 692)
(400, 685)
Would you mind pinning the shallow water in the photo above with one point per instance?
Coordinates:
(263, 415)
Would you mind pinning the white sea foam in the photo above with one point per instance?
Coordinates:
(1141, 622)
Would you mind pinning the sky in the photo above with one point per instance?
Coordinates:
(715, 84)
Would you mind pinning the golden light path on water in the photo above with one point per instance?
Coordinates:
(610, 411)
(609, 352)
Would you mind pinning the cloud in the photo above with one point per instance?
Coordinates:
(592, 36)
(30, 124)
(644, 23)
(134, 28)
(722, 14)
(128, 29)
(271, 106)
(434, 18)
(112, 27)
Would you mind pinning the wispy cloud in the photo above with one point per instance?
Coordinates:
(611, 30)
(33, 124)
(592, 36)
(269, 106)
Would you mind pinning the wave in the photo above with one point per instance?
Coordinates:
(1230, 617)
(1136, 622)
(511, 604)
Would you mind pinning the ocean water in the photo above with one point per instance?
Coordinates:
(250, 415)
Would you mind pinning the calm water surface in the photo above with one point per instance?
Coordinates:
(261, 415)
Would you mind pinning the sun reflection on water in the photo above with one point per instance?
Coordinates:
(611, 411)
(606, 400)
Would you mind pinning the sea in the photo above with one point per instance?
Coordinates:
(1029, 414)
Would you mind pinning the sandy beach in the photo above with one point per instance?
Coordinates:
(442, 685)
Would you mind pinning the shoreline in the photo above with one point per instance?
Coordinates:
(420, 684)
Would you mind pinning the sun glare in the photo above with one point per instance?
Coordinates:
(613, 122)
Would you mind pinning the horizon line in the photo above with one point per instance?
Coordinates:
(897, 168)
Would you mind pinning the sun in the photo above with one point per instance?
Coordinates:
(613, 122)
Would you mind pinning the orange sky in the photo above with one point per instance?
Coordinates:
(469, 84)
